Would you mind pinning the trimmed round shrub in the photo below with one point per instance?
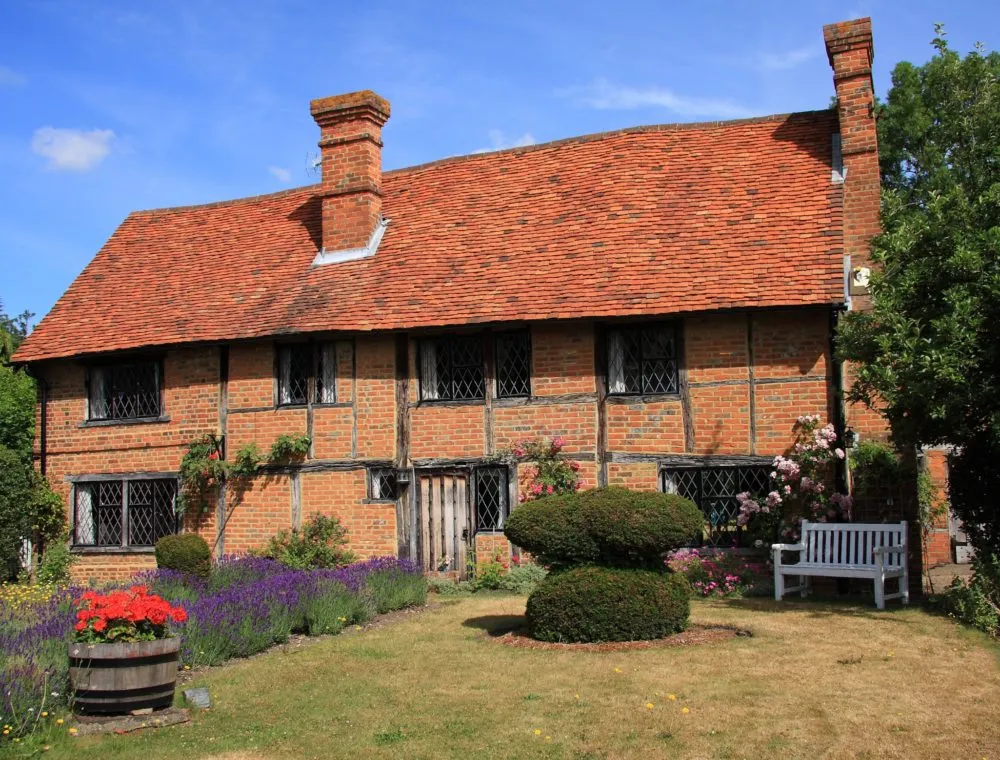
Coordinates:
(186, 553)
(591, 604)
(605, 526)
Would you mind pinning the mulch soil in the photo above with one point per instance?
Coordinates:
(693, 636)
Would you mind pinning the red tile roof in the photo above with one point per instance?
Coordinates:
(646, 221)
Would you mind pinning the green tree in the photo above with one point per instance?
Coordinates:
(929, 350)
(28, 507)
(17, 389)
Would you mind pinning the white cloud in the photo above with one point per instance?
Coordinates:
(500, 141)
(10, 78)
(280, 173)
(604, 95)
(787, 60)
(72, 149)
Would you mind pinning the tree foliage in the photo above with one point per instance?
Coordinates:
(929, 350)
(28, 507)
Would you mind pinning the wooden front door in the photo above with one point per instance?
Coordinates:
(444, 523)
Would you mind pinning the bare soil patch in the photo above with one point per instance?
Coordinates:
(693, 636)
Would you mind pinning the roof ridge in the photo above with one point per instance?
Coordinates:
(575, 139)
(680, 126)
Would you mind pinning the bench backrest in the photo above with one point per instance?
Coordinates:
(852, 543)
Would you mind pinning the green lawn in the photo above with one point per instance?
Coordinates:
(814, 681)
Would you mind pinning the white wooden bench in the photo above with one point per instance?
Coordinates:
(847, 550)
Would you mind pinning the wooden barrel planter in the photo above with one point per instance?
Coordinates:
(124, 677)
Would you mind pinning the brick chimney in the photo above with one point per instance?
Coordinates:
(849, 48)
(351, 150)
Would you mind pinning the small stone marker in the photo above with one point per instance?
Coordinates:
(198, 697)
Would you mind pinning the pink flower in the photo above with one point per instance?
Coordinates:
(551, 489)
(558, 442)
(839, 453)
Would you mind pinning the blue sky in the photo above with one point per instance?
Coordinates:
(115, 105)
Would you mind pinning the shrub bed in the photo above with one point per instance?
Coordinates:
(245, 606)
(591, 604)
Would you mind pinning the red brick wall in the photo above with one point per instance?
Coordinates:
(937, 547)
(371, 526)
(260, 512)
(790, 367)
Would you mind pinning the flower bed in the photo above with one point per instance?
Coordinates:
(719, 573)
(246, 606)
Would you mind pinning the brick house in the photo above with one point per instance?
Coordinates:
(663, 297)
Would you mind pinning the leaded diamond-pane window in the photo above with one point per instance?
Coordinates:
(326, 373)
(714, 490)
(124, 391)
(124, 513)
(513, 352)
(491, 498)
(294, 364)
(383, 483)
(642, 360)
(150, 512)
(451, 368)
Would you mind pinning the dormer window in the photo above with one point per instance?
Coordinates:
(124, 391)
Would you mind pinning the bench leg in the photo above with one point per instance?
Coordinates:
(880, 592)
(804, 586)
(779, 584)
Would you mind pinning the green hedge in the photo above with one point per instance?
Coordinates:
(592, 604)
(605, 526)
(186, 553)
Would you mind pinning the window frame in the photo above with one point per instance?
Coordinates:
(742, 483)
(449, 339)
(315, 352)
(94, 484)
(504, 335)
(375, 494)
(504, 497)
(674, 328)
(96, 367)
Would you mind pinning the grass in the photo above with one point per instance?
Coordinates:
(815, 680)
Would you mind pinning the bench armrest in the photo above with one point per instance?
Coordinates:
(787, 547)
(880, 551)
(777, 549)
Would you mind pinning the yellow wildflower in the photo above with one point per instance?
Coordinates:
(685, 710)
(672, 697)
(618, 670)
(649, 705)
(548, 738)
(72, 731)
(59, 721)
(45, 714)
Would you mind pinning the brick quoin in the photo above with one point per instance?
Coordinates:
(754, 334)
